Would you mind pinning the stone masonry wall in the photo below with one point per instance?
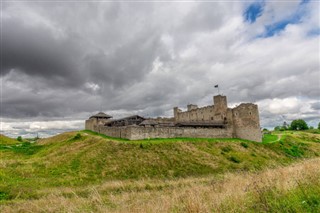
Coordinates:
(90, 123)
(213, 113)
(246, 122)
(137, 133)
(200, 114)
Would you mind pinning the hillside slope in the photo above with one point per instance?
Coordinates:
(6, 140)
(72, 163)
(82, 158)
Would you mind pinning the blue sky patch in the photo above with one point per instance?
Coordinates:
(271, 30)
(253, 11)
(295, 18)
(314, 32)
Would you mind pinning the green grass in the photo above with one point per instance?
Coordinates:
(313, 131)
(6, 140)
(24, 148)
(267, 138)
(77, 159)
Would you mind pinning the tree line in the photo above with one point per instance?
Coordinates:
(298, 124)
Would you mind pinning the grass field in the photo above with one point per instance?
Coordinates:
(6, 140)
(84, 171)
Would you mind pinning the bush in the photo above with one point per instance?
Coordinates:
(77, 136)
(234, 159)
(226, 149)
(19, 138)
(299, 124)
(244, 144)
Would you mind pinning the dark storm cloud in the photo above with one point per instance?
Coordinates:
(29, 96)
(125, 65)
(65, 54)
(71, 59)
(34, 51)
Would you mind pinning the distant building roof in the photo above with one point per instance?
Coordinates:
(101, 115)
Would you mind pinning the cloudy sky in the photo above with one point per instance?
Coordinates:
(62, 61)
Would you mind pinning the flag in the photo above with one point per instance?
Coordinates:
(216, 86)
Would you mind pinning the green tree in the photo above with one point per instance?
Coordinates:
(19, 138)
(299, 124)
(277, 128)
(319, 125)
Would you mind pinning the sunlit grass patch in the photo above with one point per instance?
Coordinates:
(267, 138)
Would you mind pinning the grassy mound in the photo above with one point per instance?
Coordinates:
(6, 140)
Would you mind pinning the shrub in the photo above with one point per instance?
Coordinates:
(244, 144)
(226, 149)
(19, 138)
(234, 159)
(77, 136)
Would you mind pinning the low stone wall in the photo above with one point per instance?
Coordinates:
(136, 133)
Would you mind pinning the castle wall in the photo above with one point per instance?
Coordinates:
(241, 122)
(173, 132)
(90, 123)
(213, 113)
(117, 132)
(200, 114)
(137, 132)
(246, 122)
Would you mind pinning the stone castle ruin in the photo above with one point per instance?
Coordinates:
(214, 121)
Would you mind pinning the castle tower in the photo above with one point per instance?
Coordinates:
(220, 103)
(95, 120)
(246, 122)
(220, 108)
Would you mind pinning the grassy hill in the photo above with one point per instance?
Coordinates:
(78, 160)
(6, 140)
